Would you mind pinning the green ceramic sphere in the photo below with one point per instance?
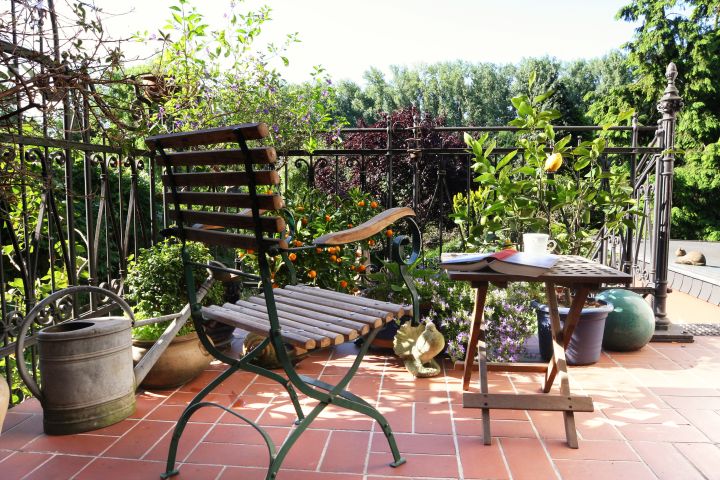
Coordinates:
(631, 324)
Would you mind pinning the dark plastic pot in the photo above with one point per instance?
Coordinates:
(586, 342)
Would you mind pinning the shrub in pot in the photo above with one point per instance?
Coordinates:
(156, 287)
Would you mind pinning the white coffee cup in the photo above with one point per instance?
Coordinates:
(538, 243)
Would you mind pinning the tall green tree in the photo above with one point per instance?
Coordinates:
(686, 33)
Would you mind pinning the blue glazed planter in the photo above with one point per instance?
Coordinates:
(586, 341)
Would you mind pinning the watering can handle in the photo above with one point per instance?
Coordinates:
(30, 318)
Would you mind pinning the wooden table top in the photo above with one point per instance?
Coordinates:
(570, 269)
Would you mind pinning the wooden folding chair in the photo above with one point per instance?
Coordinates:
(197, 165)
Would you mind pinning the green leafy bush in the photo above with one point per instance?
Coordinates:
(156, 284)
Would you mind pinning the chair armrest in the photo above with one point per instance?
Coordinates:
(365, 230)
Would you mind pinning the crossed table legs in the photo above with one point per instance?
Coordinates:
(556, 368)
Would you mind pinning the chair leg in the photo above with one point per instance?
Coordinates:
(194, 405)
(337, 395)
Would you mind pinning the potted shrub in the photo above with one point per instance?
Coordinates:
(156, 287)
(4, 399)
(574, 194)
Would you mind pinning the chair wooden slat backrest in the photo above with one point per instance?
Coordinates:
(218, 195)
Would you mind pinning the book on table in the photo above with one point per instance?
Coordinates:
(509, 262)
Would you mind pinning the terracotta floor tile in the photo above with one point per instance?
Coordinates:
(599, 470)
(249, 406)
(693, 403)
(70, 444)
(498, 428)
(595, 426)
(610, 450)
(22, 433)
(704, 456)
(246, 473)
(305, 475)
(230, 454)
(183, 398)
(707, 421)
(145, 402)
(59, 467)
(346, 452)
(118, 469)
(415, 443)
(139, 440)
(644, 416)
(192, 434)
(400, 418)
(650, 432)
(13, 418)
(307, 451)
(666, 461)
(431, 418)
(480, 460)
(245, 434)
(443, 466)
(343, 419)
(526, 458)
(116, 429)
(20, 464)
(172, 413)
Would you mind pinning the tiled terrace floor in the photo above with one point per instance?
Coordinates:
(657, 416)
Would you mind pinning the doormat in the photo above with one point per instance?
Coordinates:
(702, 329)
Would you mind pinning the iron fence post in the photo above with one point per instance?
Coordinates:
(669, 106)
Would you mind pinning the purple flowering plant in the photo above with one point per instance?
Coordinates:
(509, 317)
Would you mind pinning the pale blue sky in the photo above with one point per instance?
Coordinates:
(348, 37)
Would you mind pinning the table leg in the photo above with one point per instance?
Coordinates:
(558, 364)
(474, 335)
(570, 323)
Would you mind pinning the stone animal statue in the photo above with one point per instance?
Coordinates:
(689, 258)
(418, 346)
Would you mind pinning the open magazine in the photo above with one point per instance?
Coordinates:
(509, 261)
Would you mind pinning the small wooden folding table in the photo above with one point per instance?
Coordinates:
(579, 274)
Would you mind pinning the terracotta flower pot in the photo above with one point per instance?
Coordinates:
(184, 359)
(4, 399)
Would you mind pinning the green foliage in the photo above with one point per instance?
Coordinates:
(465, 93)
(312, 213)
(509, 317)
(686, 33)
(217, 76)
(544, 185)
(156, 284)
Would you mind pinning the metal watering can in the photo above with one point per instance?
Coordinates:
(86, 366)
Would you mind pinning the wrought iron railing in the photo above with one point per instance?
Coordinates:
(73, 212)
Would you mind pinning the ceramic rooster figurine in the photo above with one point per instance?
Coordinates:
(418, 346)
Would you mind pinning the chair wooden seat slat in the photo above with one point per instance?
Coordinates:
(292, 321)
(220, 198)
(338, 321)
(329, 325)
(335, 303)
(227, 239)
(397, 310)
(370, 320)
(229, 220)
(209, 136)
(235, 156)
(257, 325)
(237, 200)
(223, 179)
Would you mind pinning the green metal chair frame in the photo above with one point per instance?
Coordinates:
(324, 393)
